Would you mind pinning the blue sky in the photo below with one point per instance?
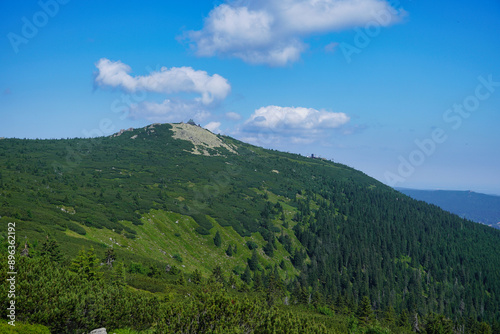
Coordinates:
(407, 92)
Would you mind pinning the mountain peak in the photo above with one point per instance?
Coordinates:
(203, 140)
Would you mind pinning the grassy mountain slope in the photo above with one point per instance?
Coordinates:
(169, 237)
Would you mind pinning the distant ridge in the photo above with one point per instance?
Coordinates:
(481, 208)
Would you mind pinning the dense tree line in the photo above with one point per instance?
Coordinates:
(399, 252)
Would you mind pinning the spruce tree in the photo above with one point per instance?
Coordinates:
(365, 313)
(257, 282)
(438, 324)
(181, 280)
(229, 251)
(50, 248)
(317, 298)
(118, 277)
(341, 304)
(304, 295)
(86, 265)
(246, 276)
(217, 274)
(390, 315)
(495, 328)
(275, 288)
(269, 249)
(404, 319)
(196, 277)
(217, 239)
(253, 262)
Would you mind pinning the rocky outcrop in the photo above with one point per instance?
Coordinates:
(122, 131)
(99, 331)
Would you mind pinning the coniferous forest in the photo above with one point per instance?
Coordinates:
(137, 234)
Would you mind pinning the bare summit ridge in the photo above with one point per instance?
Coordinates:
(202, 139)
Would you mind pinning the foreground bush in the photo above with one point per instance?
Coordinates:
(69, 302)
(214, 311)
(22, 328)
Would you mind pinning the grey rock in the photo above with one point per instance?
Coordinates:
(99, 331)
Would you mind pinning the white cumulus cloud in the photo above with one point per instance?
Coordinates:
(277, 125)
(295, 118)
(207, 89)
(167, 81)
(272, 31)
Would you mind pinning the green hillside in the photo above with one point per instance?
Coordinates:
(312, 239)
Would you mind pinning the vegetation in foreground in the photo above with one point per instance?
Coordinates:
(92, 293)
